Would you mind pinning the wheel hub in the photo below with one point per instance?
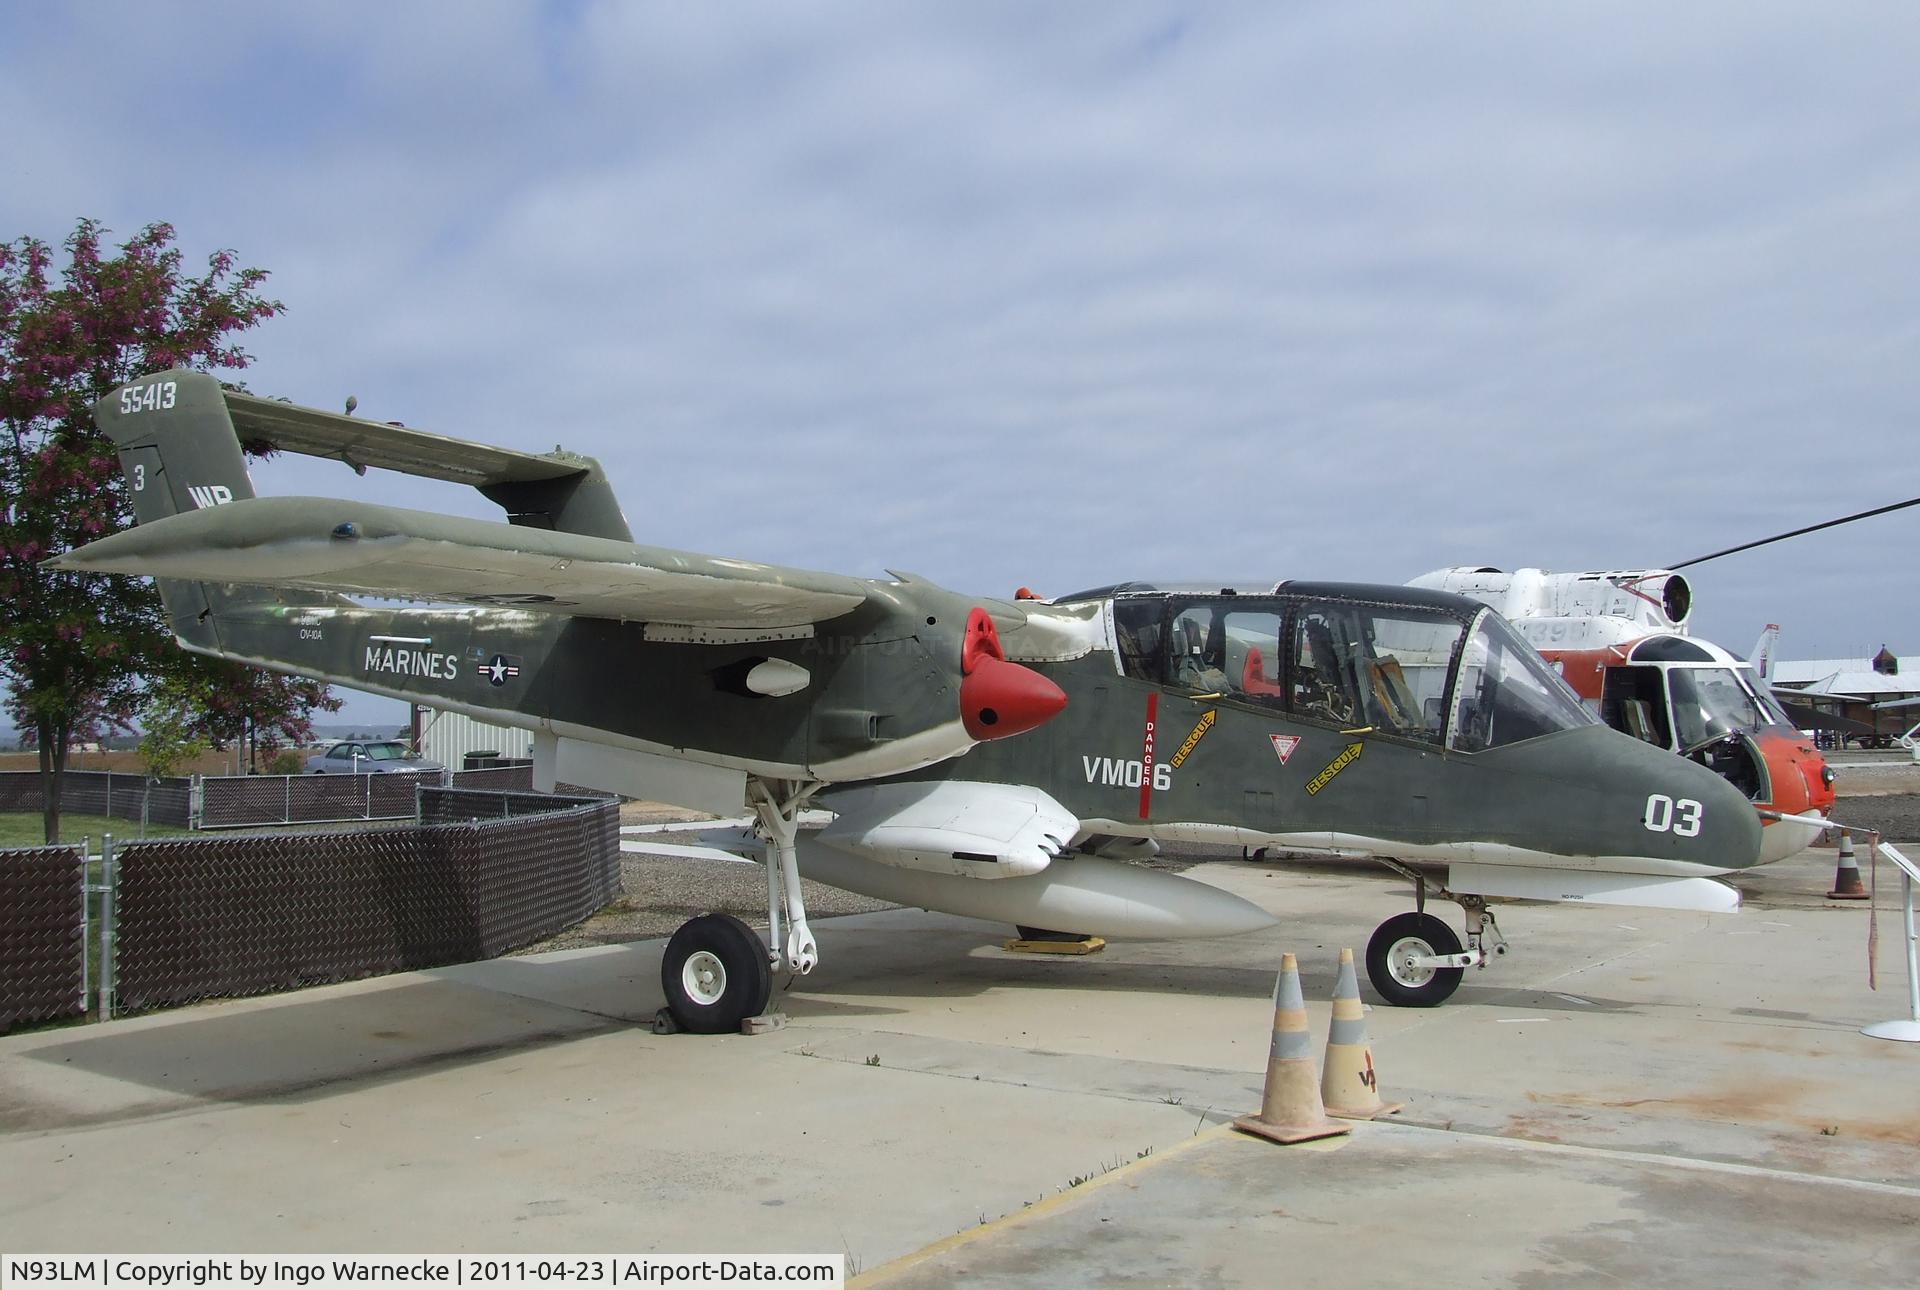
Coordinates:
(1401, 962)
(705, 977)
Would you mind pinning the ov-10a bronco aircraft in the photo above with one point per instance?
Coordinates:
(996, 759)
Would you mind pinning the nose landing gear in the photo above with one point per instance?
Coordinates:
(1415, 961)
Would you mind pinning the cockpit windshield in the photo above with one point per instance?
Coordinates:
(1710, 702)
(1507, 693)
(1440, 672)
(1763, 693)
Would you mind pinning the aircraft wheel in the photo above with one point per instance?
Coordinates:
(715, 974)
(1407, 936)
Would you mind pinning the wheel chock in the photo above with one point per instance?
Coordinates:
(1079, 945)
(664, 1024)
(764, 1024)
(1348, 1087)
(1290, 1107)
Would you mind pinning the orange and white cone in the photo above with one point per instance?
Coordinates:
(1290, 1109)
(1846, 875)
(1348, 1086)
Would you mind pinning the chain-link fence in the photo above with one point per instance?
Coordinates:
(248, 801)
(455, 805)
(43, 934)
(202, 917)
(104, 792)
(517, 778)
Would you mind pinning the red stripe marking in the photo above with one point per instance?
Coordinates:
(1146, 757)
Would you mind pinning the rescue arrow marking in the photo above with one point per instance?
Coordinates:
(1348, 755)
(1193, 740)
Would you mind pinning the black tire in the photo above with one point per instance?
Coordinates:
(1406, 934)
(715, 974)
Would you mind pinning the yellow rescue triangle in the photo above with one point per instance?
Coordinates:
(1348, 755)
(1193, 740)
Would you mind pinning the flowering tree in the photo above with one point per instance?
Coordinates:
(78, 650)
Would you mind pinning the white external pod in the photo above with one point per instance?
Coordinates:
(1079, 893)
(953, 827)
(776, 676)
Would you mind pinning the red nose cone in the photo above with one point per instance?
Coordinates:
(998, 699)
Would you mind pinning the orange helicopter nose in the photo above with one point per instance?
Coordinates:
(1800, 779)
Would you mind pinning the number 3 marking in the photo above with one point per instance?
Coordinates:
(140, 478)
(1661, 813)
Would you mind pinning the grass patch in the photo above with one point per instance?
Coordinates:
(24, 829)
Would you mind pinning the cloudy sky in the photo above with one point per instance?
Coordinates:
(1060, 295)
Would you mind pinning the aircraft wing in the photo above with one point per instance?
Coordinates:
(1786, 692)
(321, 544)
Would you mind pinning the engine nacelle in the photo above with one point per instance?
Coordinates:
(1657, 598)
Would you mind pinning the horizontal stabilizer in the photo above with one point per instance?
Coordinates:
(320, 544)
(292, 428)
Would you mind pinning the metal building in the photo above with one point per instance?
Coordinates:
(447, 737)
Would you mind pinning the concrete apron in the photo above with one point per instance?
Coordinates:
(517, 1105)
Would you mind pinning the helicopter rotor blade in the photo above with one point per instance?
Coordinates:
(1811, 528)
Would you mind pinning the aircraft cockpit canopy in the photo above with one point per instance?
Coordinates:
(1425, 667)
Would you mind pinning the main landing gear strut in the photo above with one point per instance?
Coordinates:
(1414, 960)
(716, 973)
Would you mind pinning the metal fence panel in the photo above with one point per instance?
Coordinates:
(43, 949)
(248, 801)
(203, 917)
(454, 805)
(103, 792)
(508, 778)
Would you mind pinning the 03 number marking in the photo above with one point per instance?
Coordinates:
(1681, 818)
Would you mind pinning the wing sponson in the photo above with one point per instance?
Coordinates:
(322, 544)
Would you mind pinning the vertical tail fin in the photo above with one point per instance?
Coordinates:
(179, 452)
(1762, 656)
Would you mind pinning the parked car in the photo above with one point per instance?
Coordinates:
(370, 757)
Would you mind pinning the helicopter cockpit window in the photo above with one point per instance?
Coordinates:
(1631, 700)
(1763, 692)
(1709, 702)
(1377, 667)
(1507, 693)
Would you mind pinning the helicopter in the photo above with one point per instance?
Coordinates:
(1620, 640)
(992, 758)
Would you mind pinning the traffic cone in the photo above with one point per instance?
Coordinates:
(1290, 1109)
(1348, 1087)
(1846, 877)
